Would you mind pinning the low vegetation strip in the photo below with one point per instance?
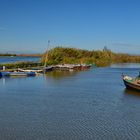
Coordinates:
(20, 65)
(24, 55)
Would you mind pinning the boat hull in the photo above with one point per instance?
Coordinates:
(132, 86)
(49, 68)
(8, 74)
(32, 70)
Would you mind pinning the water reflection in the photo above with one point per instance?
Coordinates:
(132, 92)
(13, 79)
(69, 105)
(3, 81)
(9, 59)
(60, 74)
(125, 65)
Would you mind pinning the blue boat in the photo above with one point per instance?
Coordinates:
(7, 74)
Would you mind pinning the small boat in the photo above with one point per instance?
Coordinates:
(49, 68)
(8, 74)
(32, 70)
(131, 83)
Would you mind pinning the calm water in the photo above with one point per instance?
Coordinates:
(8, 59)
(87, 105)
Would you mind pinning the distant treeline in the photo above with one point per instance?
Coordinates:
(24, 55)
(105, 57)
(29, 55)
(20, 65)
(7, 54)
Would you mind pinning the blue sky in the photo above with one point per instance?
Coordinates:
(27, 25)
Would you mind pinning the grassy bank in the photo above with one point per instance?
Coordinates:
(20, 65)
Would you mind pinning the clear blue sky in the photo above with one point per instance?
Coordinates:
(27, 25)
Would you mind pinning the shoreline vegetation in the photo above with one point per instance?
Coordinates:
(63, 55)
(99, 58)
(20, 65)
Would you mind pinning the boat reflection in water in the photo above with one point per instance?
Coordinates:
(8, 79)
(60, 74)
(3, 81)
(132, 92)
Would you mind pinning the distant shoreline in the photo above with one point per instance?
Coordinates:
(24, 55)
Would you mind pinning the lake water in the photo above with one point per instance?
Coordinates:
(87, 105)
(8, 59)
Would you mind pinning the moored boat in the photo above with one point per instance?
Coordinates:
(49, 68)
(31, 70)
(7, 74)
(131, 83)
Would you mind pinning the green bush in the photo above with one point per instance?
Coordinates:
(105, 57)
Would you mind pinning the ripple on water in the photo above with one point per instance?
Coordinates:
(89, 105)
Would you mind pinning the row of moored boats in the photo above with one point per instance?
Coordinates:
(34, 72)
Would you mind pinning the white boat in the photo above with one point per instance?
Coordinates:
(22, 70)
(131, 83)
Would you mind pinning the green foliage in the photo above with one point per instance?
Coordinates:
(105, 57)
(125, 58)
(20, 65)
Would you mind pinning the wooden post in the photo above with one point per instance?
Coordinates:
(46, 55)
(3, 68)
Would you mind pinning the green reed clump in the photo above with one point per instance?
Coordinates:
(105, 57)
(20, 65)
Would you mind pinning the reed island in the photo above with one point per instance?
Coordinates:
(65, 55)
